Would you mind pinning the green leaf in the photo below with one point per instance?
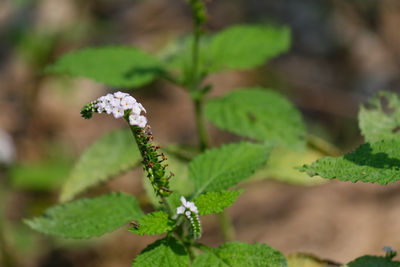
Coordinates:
(109, 156)
(223, 167)
(167, 252)
(259, 114)
(154, 223)
(88, 217)
(244, 47)
(380, 118)
(372, 163)
(281, 166)
(372, 261)
(214, 202)
(116, 66)
(41, 176)
(237, 254)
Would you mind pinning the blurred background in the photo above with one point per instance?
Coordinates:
(343, 52)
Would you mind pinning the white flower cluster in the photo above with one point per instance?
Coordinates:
(118, 103)
(187, 208)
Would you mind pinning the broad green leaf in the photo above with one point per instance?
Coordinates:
(88, 217)
(372, 163)
(109, 156)
(214, 202)
(116, 66)
(180, 182)
(380, 118)
(246, 46)
(372, 261)
(167, 252)
(260, 114)
(237, 254)
(282, 165)
(223, 167)
(41, 176)
(154, 223)
(305, 260)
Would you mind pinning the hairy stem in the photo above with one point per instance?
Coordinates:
(199, 19)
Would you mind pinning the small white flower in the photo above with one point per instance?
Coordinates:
(180, 210)
(120, 95)
(187, 213)
(142, 121)
(128, 102)
(136, 108)
(133, 119)
(142, 108)
(183, 201)
(118, 112)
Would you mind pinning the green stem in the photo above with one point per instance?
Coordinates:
(200, 125)
(199, 18)
(228, 232)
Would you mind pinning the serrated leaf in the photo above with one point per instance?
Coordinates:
(372, 261)
(380, 118)
(237, 254)
(116, 66)
(223, 167)
(112, 154)
(154, 223)
(167, 252)
(260, 114)
(88, 217)
(372, 163)
(244, 47)
(214, 202)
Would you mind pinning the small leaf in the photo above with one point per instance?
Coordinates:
(116, 66)
(88, 217)
(260, 114)
(370, 163)
(154, 223)
(237, 254)
(167, 252)
(244, 47)
(380, 118)
(223, 167)
(109, 156)
(214, 202)
(372, 261)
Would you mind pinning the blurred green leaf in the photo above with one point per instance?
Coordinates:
(372, 261)
(41, 176)
(215, 202)
(87, 218)
(166, 252)
(282, 166)
(380, 118)
(223, 167)
(154, 223)
(112, 154)
(237, 254)
(246, 46)
(260, 114)
(370, 163)
(116, 66)
(305, 260)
